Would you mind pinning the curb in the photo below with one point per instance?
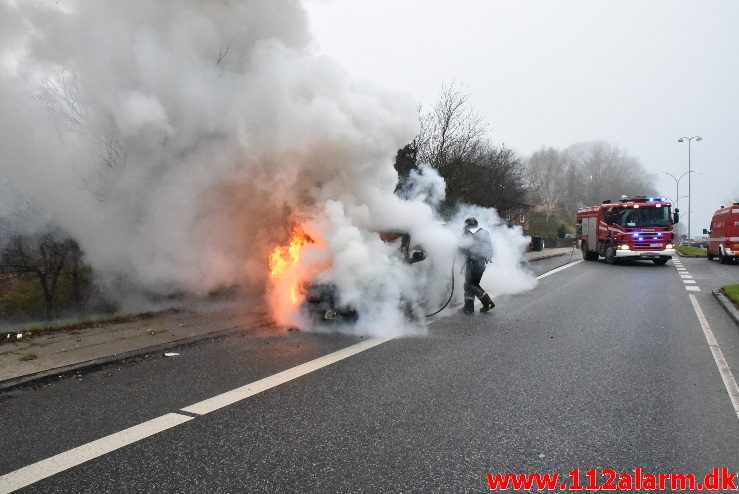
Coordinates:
(686, 255)
(549, 256)
(87, 365)
(727, 304)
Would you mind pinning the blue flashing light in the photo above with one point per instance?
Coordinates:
(636, 234)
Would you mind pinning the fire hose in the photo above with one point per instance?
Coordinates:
(572, 252)
(451, 292)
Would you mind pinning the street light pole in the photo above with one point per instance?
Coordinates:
(690, 140)
(677, 185)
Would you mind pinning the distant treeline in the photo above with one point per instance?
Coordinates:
(551, 183)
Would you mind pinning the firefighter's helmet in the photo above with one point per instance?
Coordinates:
(470, 222)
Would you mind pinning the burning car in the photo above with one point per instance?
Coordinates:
(322, 301)
(297, 293)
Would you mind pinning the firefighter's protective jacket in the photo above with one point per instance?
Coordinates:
(477, 245)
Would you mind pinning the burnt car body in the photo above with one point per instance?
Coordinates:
(322, 299)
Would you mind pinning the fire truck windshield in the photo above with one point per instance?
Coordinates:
(643, 216)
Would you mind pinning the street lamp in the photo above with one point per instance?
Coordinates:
(677, 186)
(690, 140)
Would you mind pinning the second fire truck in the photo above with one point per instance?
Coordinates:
(635, 228)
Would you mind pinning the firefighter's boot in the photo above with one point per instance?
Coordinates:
(469, 305)
(487, 303)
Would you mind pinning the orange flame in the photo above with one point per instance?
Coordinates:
(286, 257)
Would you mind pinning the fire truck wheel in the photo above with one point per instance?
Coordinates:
(611, 254)
(586, 254)
(722, 258)
(661, 261)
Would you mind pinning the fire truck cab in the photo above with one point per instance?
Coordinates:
(636, 228)
(723, 237)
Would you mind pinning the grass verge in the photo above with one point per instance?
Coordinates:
(691, 251)
(732, 291)
(96, 321)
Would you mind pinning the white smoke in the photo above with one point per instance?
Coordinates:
(177, 140)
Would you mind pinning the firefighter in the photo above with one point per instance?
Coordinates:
(478, 251)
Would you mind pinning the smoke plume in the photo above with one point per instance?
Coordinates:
(180, 141)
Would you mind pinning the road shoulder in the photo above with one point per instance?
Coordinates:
(727, 304)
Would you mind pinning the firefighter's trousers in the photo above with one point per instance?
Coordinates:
(472, 276)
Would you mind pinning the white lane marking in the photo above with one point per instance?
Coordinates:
(248, 390)
(688, 281)
(681, 269)
(243, 392)
(686, 276)
(718, 356)
(64, 461)
(692, 288)
(561, 268)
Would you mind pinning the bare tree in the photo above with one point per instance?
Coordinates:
(42, 258)
(452, 131)
(548, 178)
(222, 54)
(607, 172)
(64, 96)
(76, 270)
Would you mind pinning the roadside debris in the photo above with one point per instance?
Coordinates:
(171, 354)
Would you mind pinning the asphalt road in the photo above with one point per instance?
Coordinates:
(599, 366)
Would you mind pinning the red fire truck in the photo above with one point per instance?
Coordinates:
(723, 239)
(636, 228)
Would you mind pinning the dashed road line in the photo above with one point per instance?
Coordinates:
(686, 277)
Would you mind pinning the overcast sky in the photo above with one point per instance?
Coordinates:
(637, 73)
